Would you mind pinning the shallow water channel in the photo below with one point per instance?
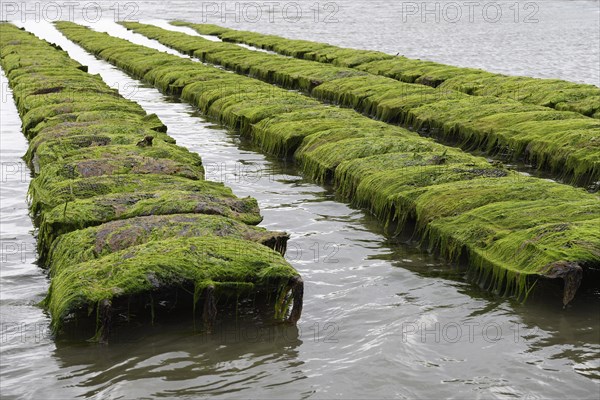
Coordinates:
(381, 319)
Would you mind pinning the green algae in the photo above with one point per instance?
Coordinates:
(96, 242)
(282, 134)
(78, 214)
(320, 160)
(206, 29)
(227, 264)
(448, 112)
(62, 171)
(109, 181)
(159, 157)
(448, 200)
(73, 108)
(104, 120)
(376, 190)
(551, 140)
(554, 93)
(242, 111)
(45, 197)
(394, 173)
(540, 245)
(53, 142)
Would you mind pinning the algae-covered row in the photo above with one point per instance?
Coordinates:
(125, 216)
(554, 93)
(509, 227)
(564, 143)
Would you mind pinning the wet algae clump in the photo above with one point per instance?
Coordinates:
(530, 127)
(95, 242)
(561, 95)
(126, 221)
(227, 265)
(511, 229)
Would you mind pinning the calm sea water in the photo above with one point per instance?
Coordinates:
(381, 319)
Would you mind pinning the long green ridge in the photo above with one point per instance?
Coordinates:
(513, 229)
(567, 144)
(553, 93)
(125, 215)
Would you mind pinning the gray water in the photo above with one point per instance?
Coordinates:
(381, 319)
(543, 38)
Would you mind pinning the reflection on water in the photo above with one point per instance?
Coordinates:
(166, 360)
(381, 319)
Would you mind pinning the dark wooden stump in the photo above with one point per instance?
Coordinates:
(297, 287)
(571, 273)
(210, 308)
(105, 317)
